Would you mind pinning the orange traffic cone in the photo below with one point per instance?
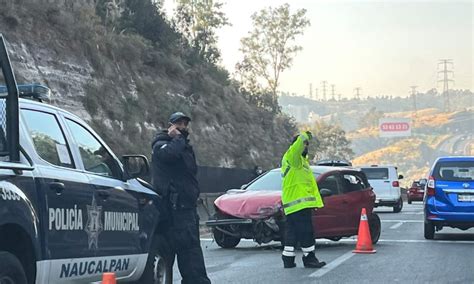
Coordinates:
(364, 241)
(109, 278)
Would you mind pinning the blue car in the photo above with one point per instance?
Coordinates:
(449, 195)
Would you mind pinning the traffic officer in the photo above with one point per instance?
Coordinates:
(174, 172)
(300, 196)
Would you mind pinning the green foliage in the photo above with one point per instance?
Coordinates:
(145, 18)
(371, 118)
(330, 142)
(269, 48)
(198, 20)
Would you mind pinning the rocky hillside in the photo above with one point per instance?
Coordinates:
(127, 86)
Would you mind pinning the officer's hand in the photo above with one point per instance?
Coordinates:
(173, 131)
(310, 135)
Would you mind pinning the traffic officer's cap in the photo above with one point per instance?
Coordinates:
(177, 116)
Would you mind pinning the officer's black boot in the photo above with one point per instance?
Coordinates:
(310, 261)
(288, 261)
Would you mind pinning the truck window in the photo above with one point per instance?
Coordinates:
(4, 154)
(94, 156)
(48, 138)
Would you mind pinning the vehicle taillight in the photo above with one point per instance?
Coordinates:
(395, 183)
(430, 187)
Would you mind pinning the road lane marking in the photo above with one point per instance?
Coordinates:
(414, 241)
(333, 264)
(402, 221)
(396, 225)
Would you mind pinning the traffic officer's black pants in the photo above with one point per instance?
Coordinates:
(299, 229)
(185, 244)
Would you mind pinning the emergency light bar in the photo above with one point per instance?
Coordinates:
(31, 91)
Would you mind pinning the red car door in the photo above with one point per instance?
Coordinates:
(331, 220)
(358, 194)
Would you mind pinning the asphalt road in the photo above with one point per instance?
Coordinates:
(403, 256)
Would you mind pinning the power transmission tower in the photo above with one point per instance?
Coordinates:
(413, 95)
(333, 95)
(310, 91)
(448, 76)
(324, 83)
(339, 96)
(316, 94)
(357, 94)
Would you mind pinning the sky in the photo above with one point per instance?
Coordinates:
(383, 47)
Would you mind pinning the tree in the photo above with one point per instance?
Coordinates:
(198, 21)
(330, 142)
(146, 18)
(371, 118)
(269, 48)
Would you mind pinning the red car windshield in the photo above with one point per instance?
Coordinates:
(271, 181)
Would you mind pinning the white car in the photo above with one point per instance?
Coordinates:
(384, 181)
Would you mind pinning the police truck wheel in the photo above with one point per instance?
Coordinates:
(11, 270)
(375, 227)
(159, 266)
(223, 240)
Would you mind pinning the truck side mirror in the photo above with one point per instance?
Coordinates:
(135, 166)
(400, 176)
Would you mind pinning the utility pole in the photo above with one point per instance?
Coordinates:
(448, 76)
(339, 96)
(333, 95)
(324, 83)
(310, 91)
(316, 94)
(357, 95)
(413, 95)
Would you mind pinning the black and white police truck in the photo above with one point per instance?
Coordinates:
(69, 209)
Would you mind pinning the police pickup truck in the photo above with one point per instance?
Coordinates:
(69, 209)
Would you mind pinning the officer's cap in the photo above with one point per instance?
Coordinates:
(177, 116)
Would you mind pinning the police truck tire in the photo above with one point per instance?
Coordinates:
(159, 265)
(11, 270)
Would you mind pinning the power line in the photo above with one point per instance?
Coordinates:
(448, 76)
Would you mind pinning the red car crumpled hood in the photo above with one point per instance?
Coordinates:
(250, 204)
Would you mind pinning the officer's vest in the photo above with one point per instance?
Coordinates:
(300, 190)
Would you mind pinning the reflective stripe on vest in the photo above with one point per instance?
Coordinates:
(298, 201)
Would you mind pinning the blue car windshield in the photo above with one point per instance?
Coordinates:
(271, 181)
(454, 171)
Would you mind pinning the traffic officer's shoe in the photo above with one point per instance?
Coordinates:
(310, 261)
(288, 261)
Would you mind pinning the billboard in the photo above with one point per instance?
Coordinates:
(394, 127)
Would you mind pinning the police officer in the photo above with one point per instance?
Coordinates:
(300, 196)
(174, 172)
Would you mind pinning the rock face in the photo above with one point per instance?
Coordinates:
(126, 88)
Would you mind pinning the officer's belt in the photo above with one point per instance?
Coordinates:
(297, 201)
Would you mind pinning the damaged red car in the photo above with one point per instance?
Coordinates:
(255, 212)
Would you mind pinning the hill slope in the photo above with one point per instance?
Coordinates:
(126, 86)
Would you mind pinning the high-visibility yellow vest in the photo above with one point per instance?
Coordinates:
(300, 189)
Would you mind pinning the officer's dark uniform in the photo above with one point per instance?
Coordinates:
(174, 172)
